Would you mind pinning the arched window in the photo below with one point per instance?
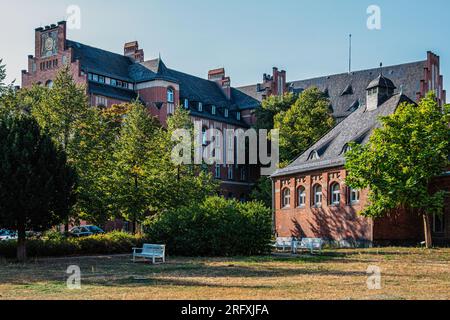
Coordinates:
(354, 196)
(170, 95)
(49, 84)
(286, 201)
(301, 194)
(335, 194)
(317, 201)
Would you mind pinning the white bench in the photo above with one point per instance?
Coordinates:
(150, 251)
(284, 243)
(310, 244)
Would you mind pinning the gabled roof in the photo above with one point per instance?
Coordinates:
(112, 92)
(355, 128)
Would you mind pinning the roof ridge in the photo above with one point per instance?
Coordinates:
(100, 49)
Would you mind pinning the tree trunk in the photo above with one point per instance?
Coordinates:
(427, 231)
(21, 244)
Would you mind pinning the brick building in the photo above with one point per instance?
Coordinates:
(112, 78)
(310, 195)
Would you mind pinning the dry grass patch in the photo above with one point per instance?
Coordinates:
(406, 274)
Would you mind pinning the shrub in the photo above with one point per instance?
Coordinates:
(55, 246)
(216, 227)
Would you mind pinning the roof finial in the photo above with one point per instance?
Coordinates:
(159, 55)
(381, 68)
(350, 55)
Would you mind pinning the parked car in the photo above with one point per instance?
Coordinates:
(85, 231)
(6, 235)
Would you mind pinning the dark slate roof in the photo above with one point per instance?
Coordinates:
(381, 81)
(348, 90)
(102, 62)
(124, 68)
(112, 92)
(331, 148)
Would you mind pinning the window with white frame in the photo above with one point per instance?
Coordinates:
(317, 194)
(230, 173)
(301, 192)
(218, 173)
(335, 194)
(213, 110)
(286, 198)
(170, 95)
(200, 107)
(354, 196)
(186, 103)
(101, 101)
(170, 108)
(238, 116)
(226, 113)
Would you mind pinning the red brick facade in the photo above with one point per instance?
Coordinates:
(342, 222)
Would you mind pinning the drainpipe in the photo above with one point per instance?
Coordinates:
(274, 228)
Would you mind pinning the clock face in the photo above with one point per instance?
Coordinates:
(49, 47)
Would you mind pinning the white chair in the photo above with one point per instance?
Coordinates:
(311, 244)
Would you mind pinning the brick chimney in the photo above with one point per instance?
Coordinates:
(131, 49)
(224, 82)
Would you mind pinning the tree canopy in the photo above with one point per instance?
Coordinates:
(402, 157)
(36, 184)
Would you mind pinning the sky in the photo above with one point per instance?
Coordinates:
(247, 37)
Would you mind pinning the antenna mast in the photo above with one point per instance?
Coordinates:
(350, 54)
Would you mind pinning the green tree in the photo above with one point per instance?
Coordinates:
(272, 106)
(400, 160)
(308, 119)
(262, 192)
(2, 77)
(36, 183)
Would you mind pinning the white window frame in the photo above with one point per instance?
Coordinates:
(301, 197)
(226, 113)
(200, 107)
(355, 196)
(170, 95)
(213, 110)
(186, 103)
(286, 198)
(318, 195)
(335, 194)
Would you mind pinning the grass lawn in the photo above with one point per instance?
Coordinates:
(406, 274)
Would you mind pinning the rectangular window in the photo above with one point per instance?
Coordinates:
(114, 82)
(243, 174)
(213, 110)
(218, 174)
(354, 196)
(95, 77)
(170, 108)
(101, 79)
(200, 107)
(230, 173)
(226, 113)
(238, 116)
(186, 103)
(90, 76)
(101, 101)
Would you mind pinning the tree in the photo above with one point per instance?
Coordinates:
(2, 77)
(305, 122)
(137, 156)
(262, 192)
(36, 183)
(400, 160)
(64, 113)
(272, 106)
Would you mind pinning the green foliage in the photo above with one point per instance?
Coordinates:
(272, 106)
(36, 183)
(402, 157)
(2, 77)
(263, 192)
(58, 246)
(214, 227)
(305, 122)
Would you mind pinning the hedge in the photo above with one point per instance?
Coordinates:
(216, 227)
(111, 243)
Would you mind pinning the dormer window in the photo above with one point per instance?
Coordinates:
(200, 107)
(213, 110)
(238, 116)
(346, 149)
(314, 156)
(170, 95)
(186, 103)
(226, 113)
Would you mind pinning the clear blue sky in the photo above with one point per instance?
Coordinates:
(247, 37)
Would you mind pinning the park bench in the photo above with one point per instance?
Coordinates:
(284, 243)
(311, 244)
(151, 252)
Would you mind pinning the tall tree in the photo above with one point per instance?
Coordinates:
(308, 119)
(2, 77)
(36, 183)
(64, 113)
(400, 160)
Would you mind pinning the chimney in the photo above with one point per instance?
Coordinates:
(275, 84)
(131, 50)
(224, 82)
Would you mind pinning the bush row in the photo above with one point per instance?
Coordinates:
(216, 227)
(111, 243)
